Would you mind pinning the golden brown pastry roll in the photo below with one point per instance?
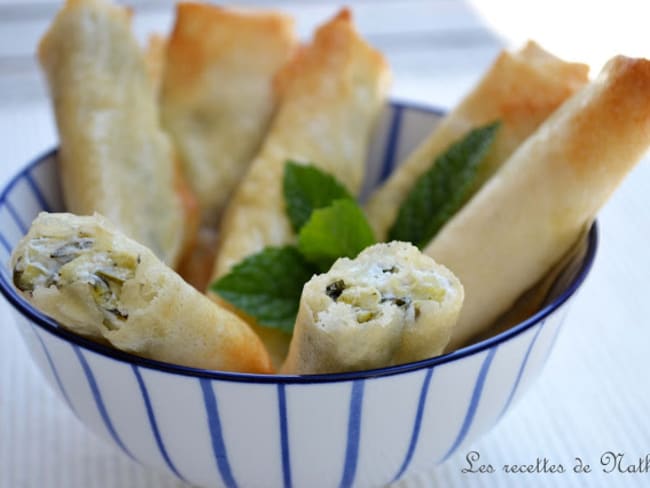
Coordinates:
(389, 305)
(115, 158)
(218, 95)
(154, 57)
(332, 93)
(97, 282)
(520, 89)
(530, 214)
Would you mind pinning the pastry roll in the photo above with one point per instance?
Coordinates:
(531, 213)
(97, 282)
(218, 95)
(154, 57)
(114, 157)
(520, 89)
(332, 93)
(389, 305)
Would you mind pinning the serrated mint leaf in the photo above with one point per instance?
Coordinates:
(307, 188)
(339, 230)
(267, 286)
(443, 189)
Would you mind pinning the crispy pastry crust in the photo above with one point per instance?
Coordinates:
(520, 89)
(115, 158)
(154, 58)
(531, 213)
(217, 94)
(97, 282)
(331, 94)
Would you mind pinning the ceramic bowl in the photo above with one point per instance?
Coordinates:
(224, 429)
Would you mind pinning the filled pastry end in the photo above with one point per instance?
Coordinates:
(390, 305)
(97, 282)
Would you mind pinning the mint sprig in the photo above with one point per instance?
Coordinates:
(267, 286)
(442, 190)
(339, 230)
(307, 188)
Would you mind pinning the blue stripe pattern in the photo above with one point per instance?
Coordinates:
(153, 423)
(5, 243)
(38, 194)
(284, 436)
(218, 446)
(14, 214)
(473, 404)
(354, 432)
(521, 371)
(99, 401)
(55, 373)
(390, 152)
(418, 423)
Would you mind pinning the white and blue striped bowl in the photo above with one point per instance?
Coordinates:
(224, 429)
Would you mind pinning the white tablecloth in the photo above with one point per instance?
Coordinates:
(592, 398)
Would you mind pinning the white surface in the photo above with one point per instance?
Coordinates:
(588, 30)
(593, 396)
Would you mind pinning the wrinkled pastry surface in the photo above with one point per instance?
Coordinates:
(520, 89)
(217, 93)
(332, 92)
(114, 157)
(546, 194)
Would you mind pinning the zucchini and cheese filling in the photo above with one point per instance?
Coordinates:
(390, 305)
(97, 282)
(52, 261)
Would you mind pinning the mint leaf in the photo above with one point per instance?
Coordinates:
(307, 188)
(267, 286)
(335, 231)
(443, 189)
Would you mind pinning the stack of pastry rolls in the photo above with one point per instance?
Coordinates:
(331, 94)
(532, 211)
(543, 187)
(199, 130)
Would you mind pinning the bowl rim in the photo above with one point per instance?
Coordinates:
(50, 325)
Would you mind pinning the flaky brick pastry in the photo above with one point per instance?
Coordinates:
(332, 93)
(520, 89)
(97, 282)
(390, 305)
(531, 213)
(217, 94)
(115, 158)
(154, 58)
